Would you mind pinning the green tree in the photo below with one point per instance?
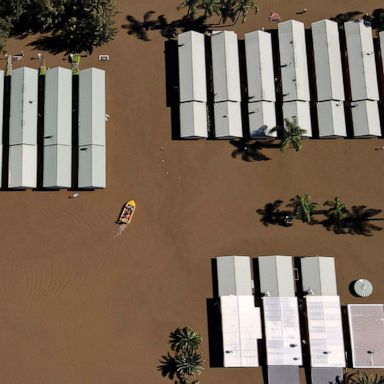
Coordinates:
(363, 378)
(303, 207)
(185, 339)
(290, 135)
(188, 364)
(243, 7)
(68, 26)
(337, 211)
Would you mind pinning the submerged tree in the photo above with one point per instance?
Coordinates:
(67, 25)
(362, 378)
(303, 207)
(336, 215)
(290, 134)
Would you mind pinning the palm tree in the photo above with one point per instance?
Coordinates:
(303, 207)
(192, 7)
(188, 364)
(243, 8)
(210, 7)
(359, 221)
(290, 135)
(185, 339)
(337, 211)
(362, 378)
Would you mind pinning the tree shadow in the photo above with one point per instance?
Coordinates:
(167, 29)
(167, 366)
(342, 18)
(271, 214)
(250, 150)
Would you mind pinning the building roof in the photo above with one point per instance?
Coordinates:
(331, 119)
(192, 75)
(276, 276)
(365, 118)
(293, 61)
(319, 275)
(282, 331)
(260, 75)
(234, 275)
(361, 61)
(225, 66)
(228, 123)
(193, 120)
(327, 56)
(325, 330)
(299, 111)
(366, 328)
(241, 326)
(262, 118)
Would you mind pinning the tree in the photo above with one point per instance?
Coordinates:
(362, 378)
(243, 7)
(67, 26)
(290, 135)
(336, 214)
(188, 364)
(359, 221)
(303, 207)
(185, 339)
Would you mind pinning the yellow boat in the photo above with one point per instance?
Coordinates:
(127, 212)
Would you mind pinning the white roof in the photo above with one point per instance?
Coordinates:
(299, 110)
(225, 66)
(23, 110)
(92, 173)
(331, 119)
(261, 79)
(58, 106)
(57, 166)
(22, 171)
(366, 327)
(192, 76)
(361, 61)
(365, 118)
(325, 330)
(282, 331)
(329, 72)
(234, 275)
(262, 119)
(319, 275)
(193, 120)
(228, 119)
(92, 106)
(241, 325)
(293, 61)
(276, 275)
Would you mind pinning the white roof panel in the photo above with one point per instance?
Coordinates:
(193, 120)
(58, 107)
(293, 61)
(225, 66)
(261, 79)
(22, 166)
(57, 166)
(228, 119)
(92, 107)
(192, 76)
(329, 72)
(365, 118)
(381, 36)
(241, 325)
(366, 327)
(234, 275)
(23, 110)
(319, 275)
(361, 61)
(262, 119)
(331, 119)
(325, 329)
(282, 331)
(92, 172)
(299, 110)
(276, 275)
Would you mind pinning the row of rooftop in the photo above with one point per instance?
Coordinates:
(333, 107)
(285, 341)
(20, 151)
